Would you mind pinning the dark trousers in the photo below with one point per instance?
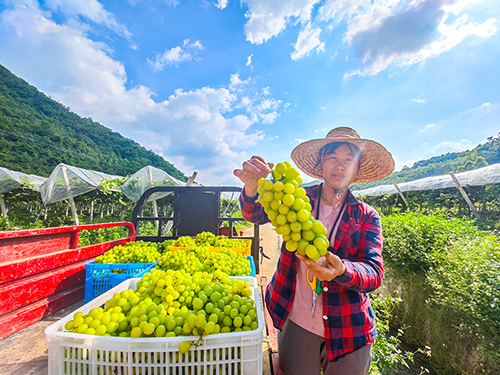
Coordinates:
(304, 353)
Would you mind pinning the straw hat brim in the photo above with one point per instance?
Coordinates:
(376, 162)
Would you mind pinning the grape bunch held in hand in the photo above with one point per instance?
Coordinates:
(287, 206)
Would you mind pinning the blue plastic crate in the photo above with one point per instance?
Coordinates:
(100, 278)
(252, 265)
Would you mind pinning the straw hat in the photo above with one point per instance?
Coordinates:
(376, 162)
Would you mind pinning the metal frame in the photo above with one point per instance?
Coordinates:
(161, 220)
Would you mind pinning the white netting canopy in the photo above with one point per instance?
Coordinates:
(67, 181)
(482, 176)
(145, 178)
(10, 180)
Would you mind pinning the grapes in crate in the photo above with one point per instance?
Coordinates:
(196, 256)
(173, 303)
(287, 207)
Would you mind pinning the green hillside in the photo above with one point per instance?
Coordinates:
(481, 156)
(37, 133)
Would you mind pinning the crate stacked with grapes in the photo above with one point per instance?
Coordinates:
(165, 320)
(287, 206)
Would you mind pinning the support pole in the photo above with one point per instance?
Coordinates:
(191, 179)
(401, 195)
(91, 210)
(466, 197)
(3, 209)
(155, 207)
(228, 204)
(71, 200)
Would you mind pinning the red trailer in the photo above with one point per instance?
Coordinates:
(43, 271)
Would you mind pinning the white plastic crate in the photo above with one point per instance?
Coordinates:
(235, 353)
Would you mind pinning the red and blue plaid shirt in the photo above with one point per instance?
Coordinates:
(347, 313)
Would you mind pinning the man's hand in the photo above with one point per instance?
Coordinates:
(325, 268)
(251, 172)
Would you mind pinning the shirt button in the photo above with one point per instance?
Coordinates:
(325, 317)
(325, 289)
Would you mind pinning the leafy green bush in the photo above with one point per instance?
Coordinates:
(448, 275)
(467, 281)
(387, 354)
(415, 243)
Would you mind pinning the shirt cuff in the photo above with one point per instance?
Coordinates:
(246, 199)
(346, 278)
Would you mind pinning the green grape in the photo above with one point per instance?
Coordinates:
(184, 347)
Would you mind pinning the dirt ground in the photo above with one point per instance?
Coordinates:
(271, 243)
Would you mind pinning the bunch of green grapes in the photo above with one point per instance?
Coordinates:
(223, 241)
(228, 261)
(180, 260)
(173, 303)
(201, 259)
(205, 239)
(131, 252)
(287, 206)
(184, 241)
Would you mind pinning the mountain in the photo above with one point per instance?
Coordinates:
(482, 155)
(37, 133)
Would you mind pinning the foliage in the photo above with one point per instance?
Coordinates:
(90, 237)
(467, 281)
(448, 276)
(387, 354)
(35, 127)
(414, 243)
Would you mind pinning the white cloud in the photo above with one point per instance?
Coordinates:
(175, 55)
(249, 60)
(427, 128)
(485, 107)
(307, 40)
(205, 129)
(444, 147)
(400, 163)
(221, 4)
(418, 101)
(236, 82)
(268, 118)
(90, 9)
(381, 32)
(299, 140)
(267, 19)
(383, 35)
(337, 10)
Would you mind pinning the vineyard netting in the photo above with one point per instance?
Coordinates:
(478, 177)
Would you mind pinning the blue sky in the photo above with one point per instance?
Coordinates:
(209, 83)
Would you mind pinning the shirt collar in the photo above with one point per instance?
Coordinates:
(314, 193)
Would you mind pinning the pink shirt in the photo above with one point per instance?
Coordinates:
(300, 312)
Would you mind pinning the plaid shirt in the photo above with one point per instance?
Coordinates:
(347, 313)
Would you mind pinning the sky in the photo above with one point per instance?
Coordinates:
(208, 83)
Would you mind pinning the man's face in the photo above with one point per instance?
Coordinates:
(341, 167)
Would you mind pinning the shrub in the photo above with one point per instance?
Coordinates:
(448, 275)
